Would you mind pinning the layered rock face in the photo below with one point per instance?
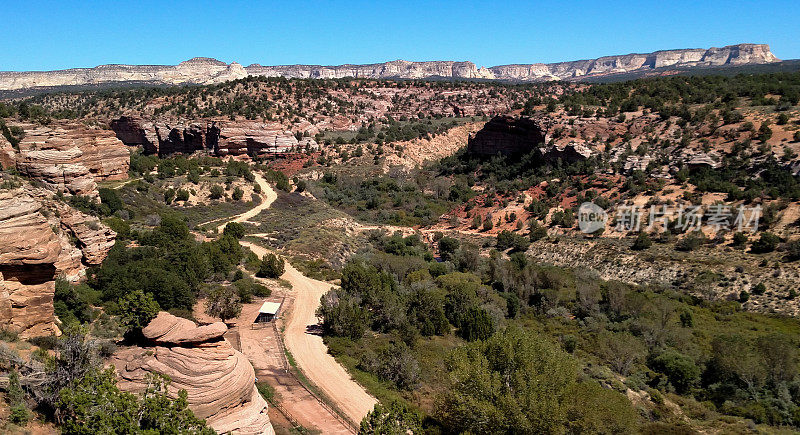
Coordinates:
(393, 69)
(208, 71)
(221, 138)
(132, 130)
(8, 155)
(94, 240)
(71, 158)
(29, 250)
(257, 138)
(219, 380)
(508, 136)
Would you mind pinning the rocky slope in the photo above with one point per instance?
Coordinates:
(207, 71)
(219, 380)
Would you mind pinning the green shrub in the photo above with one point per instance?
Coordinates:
(238, 193)
(216, 192)
(182, 195)
(271, 267)
(680, 369)
(642, 242)
(476, 325)
(766, 243)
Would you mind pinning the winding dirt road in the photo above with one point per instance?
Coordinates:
(269, 197)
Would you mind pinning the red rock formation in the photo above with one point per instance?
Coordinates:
(29, 250)
(70, 158)
(135, 131)
(254, 138)
(8, 156)
(165, 137)
(93, 238)
(219, 380)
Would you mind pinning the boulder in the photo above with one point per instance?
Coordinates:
(219, 380)
(166, 328)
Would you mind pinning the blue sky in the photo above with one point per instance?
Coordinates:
(43, 35)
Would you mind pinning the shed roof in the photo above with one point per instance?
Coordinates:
(269, 308)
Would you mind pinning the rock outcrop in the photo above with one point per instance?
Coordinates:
(208, 71)
(219, 380)
(93, 238)
(220, 138)
(70, 158)
(164, 137)
(29, 250)
(508, 136)
(8, 155)
(569, 153)
(135, 131)
(255, 138)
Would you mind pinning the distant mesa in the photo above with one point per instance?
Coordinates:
(205, 70)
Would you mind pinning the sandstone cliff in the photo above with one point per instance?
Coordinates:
(42, 239)
(219, 380)
(740, 54)
(507, 135)
(208, 71)
(222, 138)
(29, 250)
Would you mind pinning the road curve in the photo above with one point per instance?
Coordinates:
(269, 197)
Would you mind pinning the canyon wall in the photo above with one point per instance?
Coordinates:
(221, 138)
(208, 71)
(29, 250)
(41, 240)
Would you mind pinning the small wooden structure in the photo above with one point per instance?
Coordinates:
(267, 312)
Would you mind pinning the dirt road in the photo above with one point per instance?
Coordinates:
(262, 347)
(269, 197)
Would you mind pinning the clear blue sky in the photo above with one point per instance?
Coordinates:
(43, 35)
